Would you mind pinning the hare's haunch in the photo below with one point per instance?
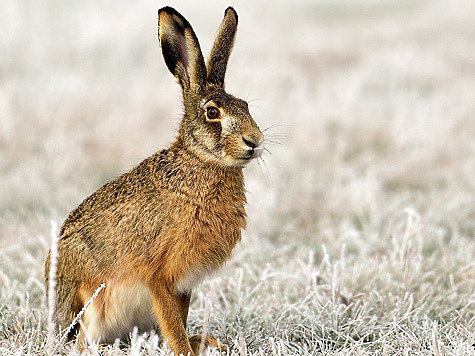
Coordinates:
(153, 233)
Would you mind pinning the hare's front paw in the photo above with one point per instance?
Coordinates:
(209, 341)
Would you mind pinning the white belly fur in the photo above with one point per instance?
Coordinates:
(128, 307)
(131, 306)
(194, 278)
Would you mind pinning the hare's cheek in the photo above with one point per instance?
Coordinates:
(210, 137)
(232, 147)
(205, 139)
(230, 125)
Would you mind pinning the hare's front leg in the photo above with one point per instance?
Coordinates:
(198, 344)
(183, 301)
(170, 317)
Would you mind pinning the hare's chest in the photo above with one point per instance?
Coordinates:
(197, 240)
(205, 245)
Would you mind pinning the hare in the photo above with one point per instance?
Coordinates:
(155, 232)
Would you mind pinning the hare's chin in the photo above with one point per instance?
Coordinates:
(238, 162)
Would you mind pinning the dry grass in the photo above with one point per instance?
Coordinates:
(361, 223)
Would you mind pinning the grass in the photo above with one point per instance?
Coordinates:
(362, 221)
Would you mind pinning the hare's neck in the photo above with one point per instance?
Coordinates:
(180, 170)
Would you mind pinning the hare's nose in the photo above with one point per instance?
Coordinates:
(253, 140)
(255, 145)
(249, 143)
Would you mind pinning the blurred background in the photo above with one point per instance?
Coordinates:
(370, 107)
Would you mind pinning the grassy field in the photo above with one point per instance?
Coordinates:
(361, 237)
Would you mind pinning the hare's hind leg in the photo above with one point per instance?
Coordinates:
(68, 305)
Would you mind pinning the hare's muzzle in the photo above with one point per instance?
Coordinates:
(254, 144)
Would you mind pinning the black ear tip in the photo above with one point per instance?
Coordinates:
(168, 9)
(171, 13)
(231, 9)
(168, 15)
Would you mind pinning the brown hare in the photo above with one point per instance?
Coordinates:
(153, 233)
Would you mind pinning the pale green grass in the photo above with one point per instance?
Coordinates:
(361, 222)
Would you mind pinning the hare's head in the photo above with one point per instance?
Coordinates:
(217, 126)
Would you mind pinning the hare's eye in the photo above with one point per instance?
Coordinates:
(212, 113)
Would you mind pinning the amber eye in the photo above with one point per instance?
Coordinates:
(212, 113)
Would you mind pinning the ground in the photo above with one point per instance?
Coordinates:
(361, 216)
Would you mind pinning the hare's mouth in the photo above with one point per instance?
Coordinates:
(239, 150)
(252, 149)
(243, 159)
(253, 152)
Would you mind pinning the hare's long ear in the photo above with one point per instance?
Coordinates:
(222, 47)
(180, 48)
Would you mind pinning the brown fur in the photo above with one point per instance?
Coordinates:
(153, 233)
